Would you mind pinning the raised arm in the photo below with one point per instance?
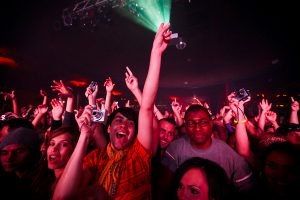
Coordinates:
(13, 98)
(145, 128)
(157, 113)
(92, 94)
(272, 117)
(133, 86)
(294, 112)
(57, 111)
(265, 107)
(109, 86)
(43, 93)
(63, 90)
(74, 177)
(242, 140)
(42, 109)
(176, 107)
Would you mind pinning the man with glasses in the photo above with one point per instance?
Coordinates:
(198, 142)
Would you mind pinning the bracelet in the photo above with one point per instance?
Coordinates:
(241, 121)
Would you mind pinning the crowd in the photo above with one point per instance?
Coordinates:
(103, 151)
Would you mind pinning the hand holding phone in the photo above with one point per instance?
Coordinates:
(93, 85)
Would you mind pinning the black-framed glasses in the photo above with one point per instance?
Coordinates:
(202, 123)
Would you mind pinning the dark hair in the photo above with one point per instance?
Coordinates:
(284, 147)
(168, 119)
(73, 131)
(129, 113)
(196, 108)
(218, 182)
(45, 179)
(285, 129)
(292, 186)
(17, 123)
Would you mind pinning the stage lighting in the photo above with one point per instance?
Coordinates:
(148, 13)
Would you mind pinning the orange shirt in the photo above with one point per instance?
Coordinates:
(123, 174)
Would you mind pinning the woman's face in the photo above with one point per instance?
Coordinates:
(280, 171)
(59, 151)
(193, 185)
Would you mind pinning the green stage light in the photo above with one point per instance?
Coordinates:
(148, 13)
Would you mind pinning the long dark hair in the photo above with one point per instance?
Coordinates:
(218, 182)
(44, 183)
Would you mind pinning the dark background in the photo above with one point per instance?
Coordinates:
(230, 44)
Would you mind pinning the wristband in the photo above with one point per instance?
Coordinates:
(241, 121)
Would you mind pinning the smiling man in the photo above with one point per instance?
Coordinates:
(167, 133)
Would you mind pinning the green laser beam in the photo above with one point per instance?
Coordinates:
(148, 13)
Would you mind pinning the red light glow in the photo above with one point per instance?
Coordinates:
(78, 83)
(116, 93)
(8, 62)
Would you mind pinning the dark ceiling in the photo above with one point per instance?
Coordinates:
(251, 44)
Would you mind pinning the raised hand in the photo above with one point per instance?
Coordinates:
(130, 80)
(38, 113)
(78, 113)
(271, 116)
(236, 104)
(294, 105)
(166, 114)
(42, 109)
(9, 95)
(223, 110)
(114, 106)
(264, 105)
(90, 93)
(162, 38)
(94, 131)
(226, 114)
(85, 117)
(57, 109)
(43, 93)
(294, 112)
(176, 107)
(62, 89)
(108, 84)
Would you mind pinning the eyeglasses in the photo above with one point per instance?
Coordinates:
(202, 123)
